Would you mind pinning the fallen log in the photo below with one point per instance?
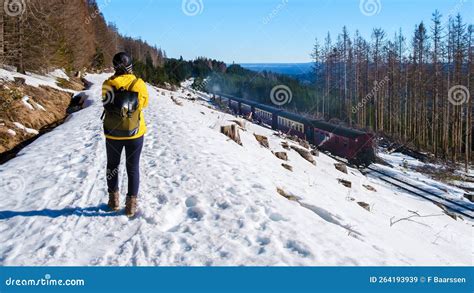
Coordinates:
(305, 154)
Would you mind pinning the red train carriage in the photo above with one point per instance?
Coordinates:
(354, 145)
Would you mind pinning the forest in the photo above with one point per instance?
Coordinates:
(413, 90)
(35, 37)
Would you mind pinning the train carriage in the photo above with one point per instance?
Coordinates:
(246, 108)
(354, 145)
(234, 106)
(292, 124)
(342, 141)
(266, 115)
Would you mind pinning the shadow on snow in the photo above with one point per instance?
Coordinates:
(97, 211)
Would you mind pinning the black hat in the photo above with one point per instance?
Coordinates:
(122, 62)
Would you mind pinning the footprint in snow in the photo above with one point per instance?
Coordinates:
(193, 212)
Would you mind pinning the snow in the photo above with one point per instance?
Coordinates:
(403, 168)
(11, 132)
(32, 105)
(25, 102)
(39, 106)
(26, 129)
(32, 79)
(205, 200)
(58, 73)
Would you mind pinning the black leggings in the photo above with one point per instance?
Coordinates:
(133, 149)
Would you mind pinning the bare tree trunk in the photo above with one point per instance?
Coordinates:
(2, 33)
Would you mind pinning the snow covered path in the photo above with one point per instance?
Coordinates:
(205, 200)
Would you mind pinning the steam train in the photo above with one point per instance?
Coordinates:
(354, 145)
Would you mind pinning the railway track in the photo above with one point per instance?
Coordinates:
(449, 204)
(437, 199)
(443, 202)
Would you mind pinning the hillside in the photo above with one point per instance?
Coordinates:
(31, 103)
(282, 68)
(206, 200)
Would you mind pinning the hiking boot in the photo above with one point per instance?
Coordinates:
(114, 202)
(131, 206)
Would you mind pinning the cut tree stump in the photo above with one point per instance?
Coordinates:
(305, 154)
(364, 205)
(241, 123)
(303, 143)
(232, 131)
(341, 167)
(176, 101)
(346, 183)
(282, 156)
(287, 167)
(368, 187)
(285, 145)
(286, 195)
(263, 140)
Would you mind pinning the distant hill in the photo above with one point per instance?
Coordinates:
(300, 71)
(282, 68)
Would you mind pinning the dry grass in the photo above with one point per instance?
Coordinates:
(72, 84)
(54, 101)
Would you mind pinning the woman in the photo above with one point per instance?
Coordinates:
(124, 84)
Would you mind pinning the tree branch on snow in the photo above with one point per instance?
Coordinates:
(415, 214)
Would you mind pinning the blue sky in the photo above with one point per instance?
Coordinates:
(254, 31)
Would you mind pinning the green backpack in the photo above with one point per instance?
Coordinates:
(121, 116)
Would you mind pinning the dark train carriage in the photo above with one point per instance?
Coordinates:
(234, 106)
(292, 124)
(224, 100)
(355, 145)
(246, 108)
(266, 115)
(240, 106)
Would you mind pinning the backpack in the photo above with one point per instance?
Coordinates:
(121, 116)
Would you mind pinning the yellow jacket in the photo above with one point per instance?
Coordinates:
(125, 81)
